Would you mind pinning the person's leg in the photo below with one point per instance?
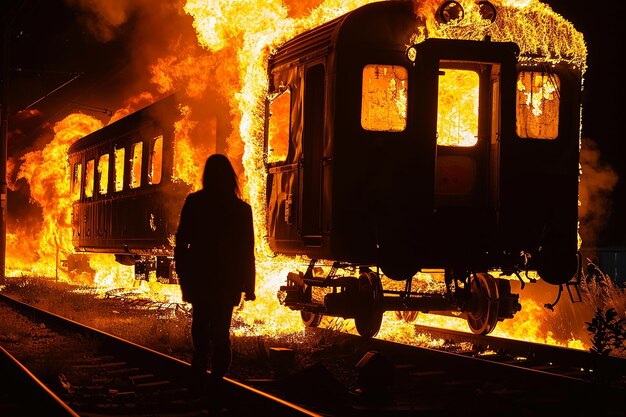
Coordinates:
(220, 336)
(200, 335)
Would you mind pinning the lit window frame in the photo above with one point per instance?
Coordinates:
(153, 178)
(103, 180)
(90, 178)
(136, 167)
(77, 181)
(529, 101)
(367, 122)
(119, 161)
(468, 67)
(276, 98)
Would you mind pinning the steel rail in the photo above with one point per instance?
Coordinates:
(534, 353)
(170, 367)
(439, 375)
(29, 396)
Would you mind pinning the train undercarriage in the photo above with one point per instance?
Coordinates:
(158, 268)
(479, 297)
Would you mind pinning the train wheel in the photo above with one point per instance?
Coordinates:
(483, 316)
(370, 315)
(407, 316)
(310, 319)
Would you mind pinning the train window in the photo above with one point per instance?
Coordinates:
(457, 108)
(89, 178)
(538, 103)
(76, 181)
(135, 167)
(156, 161)
(103, 174)
(119, 168)
(384, 98)
(278, 132)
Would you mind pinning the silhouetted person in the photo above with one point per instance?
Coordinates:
(214, 258)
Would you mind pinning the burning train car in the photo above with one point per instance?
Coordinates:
(390, 152)
(126, 196)
(396, 142)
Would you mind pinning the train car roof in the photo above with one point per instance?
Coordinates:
(539, 32)
(351, 29)
(162, 112)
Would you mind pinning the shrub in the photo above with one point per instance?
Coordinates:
(608, 332)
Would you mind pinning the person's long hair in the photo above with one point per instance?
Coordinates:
(219, 175)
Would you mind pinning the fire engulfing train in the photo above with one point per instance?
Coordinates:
(395, 143)
(125, 200)
(126, 191)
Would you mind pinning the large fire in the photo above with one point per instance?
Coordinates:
(236, 39)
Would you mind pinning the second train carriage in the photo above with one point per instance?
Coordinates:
(456, 155)
(126, 200)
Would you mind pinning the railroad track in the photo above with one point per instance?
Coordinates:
(112, 376)
(491, 378)
(496, 377)
(551, 359)
(22, 394)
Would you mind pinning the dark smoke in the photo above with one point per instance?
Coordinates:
(597, 182)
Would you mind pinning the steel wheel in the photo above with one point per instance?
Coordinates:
(370, 315)
(310, 319)
(483, 316)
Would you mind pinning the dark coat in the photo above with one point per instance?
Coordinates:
(214, 252)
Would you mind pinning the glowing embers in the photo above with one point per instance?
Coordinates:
(537, 105)
(457, 108)
(384, 98)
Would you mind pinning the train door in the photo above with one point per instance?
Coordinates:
(313, 148)
(462, 102)
(541, 159)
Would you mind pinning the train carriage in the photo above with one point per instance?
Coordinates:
(391, 158)
(126, 201)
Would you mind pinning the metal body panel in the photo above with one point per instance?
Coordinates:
(379, 202)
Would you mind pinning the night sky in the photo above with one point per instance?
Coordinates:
(50, 45)
(602, 24)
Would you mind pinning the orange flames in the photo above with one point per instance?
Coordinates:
(236, 40)
(39, 252)
(187, 161)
